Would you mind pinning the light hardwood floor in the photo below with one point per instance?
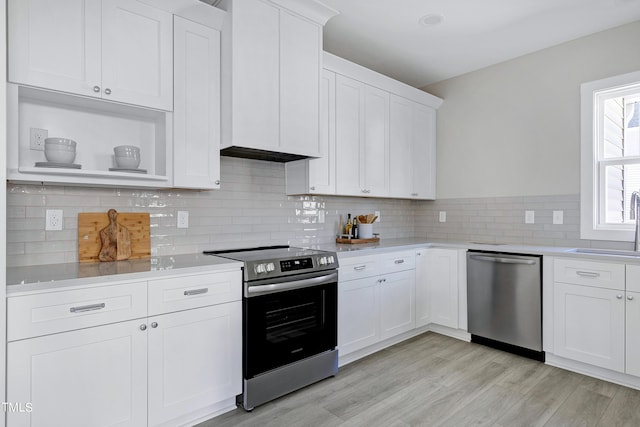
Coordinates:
(433, 380)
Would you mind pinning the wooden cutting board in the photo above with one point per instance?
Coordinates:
(90, 224)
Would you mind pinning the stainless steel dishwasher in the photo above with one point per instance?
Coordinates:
(504, 300)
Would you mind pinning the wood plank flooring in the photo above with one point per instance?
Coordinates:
(433, 380)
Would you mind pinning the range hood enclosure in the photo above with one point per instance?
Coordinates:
(271, 64)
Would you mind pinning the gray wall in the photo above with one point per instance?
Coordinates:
(513, 129)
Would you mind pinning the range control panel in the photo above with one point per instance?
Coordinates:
(296, 264)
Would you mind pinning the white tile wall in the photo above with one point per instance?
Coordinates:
(251, 209)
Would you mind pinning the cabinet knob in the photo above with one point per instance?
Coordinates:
(217, 182)
(619, 296)
(630, 297)
(154, 324)
(96, 89)
(414, 194)
(107, 91)
(312, 188)
(143, 327)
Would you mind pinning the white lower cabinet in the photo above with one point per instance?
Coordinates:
(632, 314)
(437, 287)
(89, 377)
(195, 360)
(378, 306)
(589, 325)
(172, 368)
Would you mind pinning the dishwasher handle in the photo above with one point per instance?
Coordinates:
(502, 260)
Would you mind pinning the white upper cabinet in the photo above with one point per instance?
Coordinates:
(272, 88)
(196, 126)
(412, 152)
(119, 50)
(318, 175)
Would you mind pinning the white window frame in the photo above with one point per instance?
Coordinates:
(590, 126)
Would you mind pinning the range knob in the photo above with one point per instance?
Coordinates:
(323, 260)
(270, 267)
(332, 260)
(260, 268)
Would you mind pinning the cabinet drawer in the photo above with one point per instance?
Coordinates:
(589, 273)
(42, 314)
(359, 267)
(398, 261)
(199, 290)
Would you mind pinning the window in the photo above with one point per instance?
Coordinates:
(610, 156)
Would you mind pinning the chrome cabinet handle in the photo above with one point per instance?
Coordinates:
(196, 291)
(619, 296)
(143, 327)
(96, 89)
(414, 194)
(107, 91)
(359, 267)
(399, 261)
(154, 324)
(630, 297)
(587, 273)
(83, 308)
(217, 182)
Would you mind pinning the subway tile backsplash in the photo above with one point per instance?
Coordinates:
(252, 209)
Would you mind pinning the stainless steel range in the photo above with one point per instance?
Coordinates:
(290, 319)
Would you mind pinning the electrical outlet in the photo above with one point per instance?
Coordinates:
(377, 213)
(37, 137)
(54, 220)
(558, 217)
(529, 217)
(183, 219)
(443, 216)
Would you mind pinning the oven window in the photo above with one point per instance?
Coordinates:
(283, 327)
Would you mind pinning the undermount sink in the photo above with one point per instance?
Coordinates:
(610, 252)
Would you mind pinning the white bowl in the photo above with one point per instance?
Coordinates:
(64, 142)
(60, 156)
(55, 147)
(127, 151)
(127, 162)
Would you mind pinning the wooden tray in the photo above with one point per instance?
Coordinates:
(90, 224)
(357, 241)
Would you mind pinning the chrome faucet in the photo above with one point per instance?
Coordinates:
(635, 214)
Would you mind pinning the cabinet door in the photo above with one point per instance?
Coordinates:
(322, 171)
(90, 377)
(358, 314)
(397, 303)
(137, 54)
(256, 73)
(55, 44)
(423, 300)
(401, 162)
(300, 50)
(195, 360)
(589, 325)
(349, 136)
(375, 153)
(196, 116)
(633, 333)
(442, 279)
(424, 152)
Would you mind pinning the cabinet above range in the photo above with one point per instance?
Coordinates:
(377, 137)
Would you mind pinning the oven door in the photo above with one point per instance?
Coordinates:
(284, 326)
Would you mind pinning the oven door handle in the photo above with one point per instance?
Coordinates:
(296, 284)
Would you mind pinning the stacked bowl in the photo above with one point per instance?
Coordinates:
(127, 156)
(60, 150)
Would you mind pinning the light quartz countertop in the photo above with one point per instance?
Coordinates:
(53, 276)
(40, 278)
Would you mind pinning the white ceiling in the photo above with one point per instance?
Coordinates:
(386, 36)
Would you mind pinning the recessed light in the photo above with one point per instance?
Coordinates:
(431, 20)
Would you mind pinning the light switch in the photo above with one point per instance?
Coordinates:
(443, 216)
(558, 217)
(529, 217)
